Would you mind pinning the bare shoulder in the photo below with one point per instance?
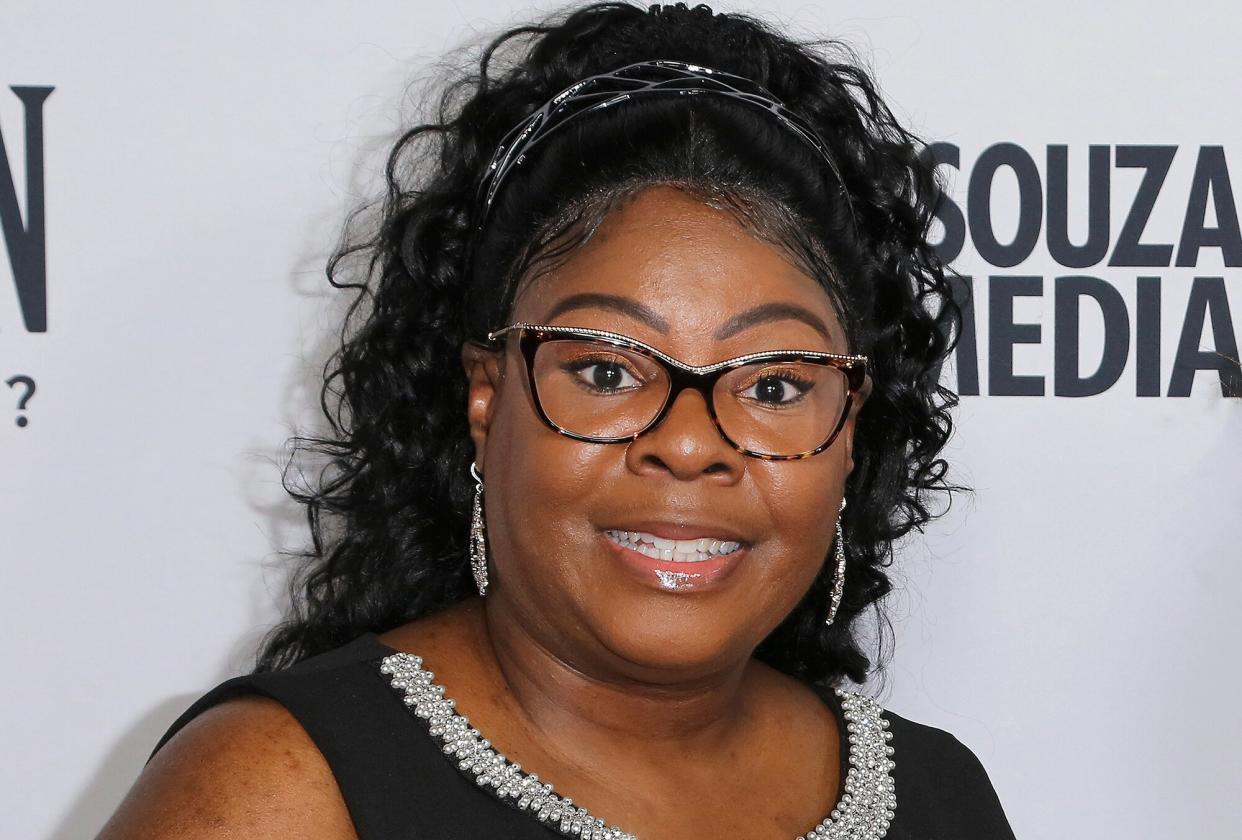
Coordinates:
(244, 768)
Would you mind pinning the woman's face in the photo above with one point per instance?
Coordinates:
(550, 500)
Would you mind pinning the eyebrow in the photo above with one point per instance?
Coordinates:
(768, 312)
(598, 300)
(762, 314)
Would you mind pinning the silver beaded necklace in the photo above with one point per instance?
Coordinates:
(864, 812)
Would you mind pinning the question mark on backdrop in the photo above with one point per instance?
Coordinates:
(29, 387)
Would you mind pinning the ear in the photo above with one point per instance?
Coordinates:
(860, 397)
(484, 375)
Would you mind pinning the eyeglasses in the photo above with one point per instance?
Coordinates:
(604, 387)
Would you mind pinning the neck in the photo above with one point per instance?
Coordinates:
(603, 699)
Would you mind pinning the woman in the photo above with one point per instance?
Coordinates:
(646, 391)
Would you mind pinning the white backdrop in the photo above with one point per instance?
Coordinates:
(1071, 622)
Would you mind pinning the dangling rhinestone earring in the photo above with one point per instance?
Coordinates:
(478, 540)
(838, 581)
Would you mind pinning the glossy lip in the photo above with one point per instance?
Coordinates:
(672, 576)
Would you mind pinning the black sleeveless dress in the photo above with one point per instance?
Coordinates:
(399, 784)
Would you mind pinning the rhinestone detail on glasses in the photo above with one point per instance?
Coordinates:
(867, 804)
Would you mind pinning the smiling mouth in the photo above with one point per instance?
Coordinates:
(673, 551)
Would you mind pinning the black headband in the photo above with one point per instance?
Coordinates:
(606, 90)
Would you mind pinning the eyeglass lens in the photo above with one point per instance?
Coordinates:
(598, 390)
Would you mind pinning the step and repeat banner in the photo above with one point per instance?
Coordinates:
(173, 177)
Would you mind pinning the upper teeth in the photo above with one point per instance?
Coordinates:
(684, 551)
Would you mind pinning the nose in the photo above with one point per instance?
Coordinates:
(686, 443)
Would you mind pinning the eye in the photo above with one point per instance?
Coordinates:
(776, 388)
(602, 373)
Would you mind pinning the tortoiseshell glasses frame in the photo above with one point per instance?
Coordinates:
(701, 378)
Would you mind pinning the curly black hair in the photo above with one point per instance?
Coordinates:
(389, 512)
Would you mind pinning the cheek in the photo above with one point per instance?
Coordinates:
(801, 500)
(543, 480)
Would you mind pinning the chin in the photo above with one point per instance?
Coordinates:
(671, 642)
